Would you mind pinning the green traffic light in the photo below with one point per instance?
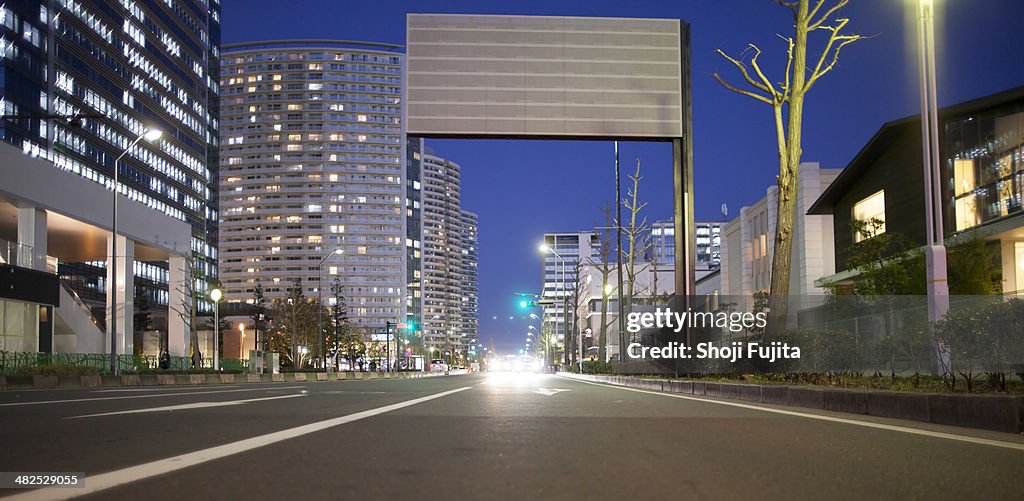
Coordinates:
(523, 304)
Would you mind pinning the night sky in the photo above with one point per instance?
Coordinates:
(523, 189)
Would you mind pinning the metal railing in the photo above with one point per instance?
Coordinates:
(27, 363)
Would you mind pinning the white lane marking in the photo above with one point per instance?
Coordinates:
(196, 405)
(866, 424)
(549, 391)
(131, 474)
(16, 404)
(169, 388)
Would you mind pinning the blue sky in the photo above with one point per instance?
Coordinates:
(524, 189)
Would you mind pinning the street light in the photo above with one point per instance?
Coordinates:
(544, 248)
(215, 295)
(320, 302)
(935, 250)
(150, 135)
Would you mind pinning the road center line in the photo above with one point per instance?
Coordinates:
(175, 394)
(182, 407)
(159, 467)
(866, 424)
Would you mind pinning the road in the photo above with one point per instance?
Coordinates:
(490, 436)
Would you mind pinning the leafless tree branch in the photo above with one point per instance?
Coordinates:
(813, 25)
(737, 90)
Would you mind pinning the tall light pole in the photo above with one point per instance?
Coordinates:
(565, 300)
(320, 302)
(150, 135)
(618, 251)
(935, 249)
(215, 295)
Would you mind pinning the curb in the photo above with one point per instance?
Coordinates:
(987, 412)
(96, 381)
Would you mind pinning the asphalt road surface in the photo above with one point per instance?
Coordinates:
(489, 436)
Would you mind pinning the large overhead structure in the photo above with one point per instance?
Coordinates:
(543, 77)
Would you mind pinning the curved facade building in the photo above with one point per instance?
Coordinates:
(442, 253)
(312, 161)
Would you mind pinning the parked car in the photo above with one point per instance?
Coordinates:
(438, 365)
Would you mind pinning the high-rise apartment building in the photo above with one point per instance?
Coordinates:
(470, 300)
(120, 68)
(442, 254)
(414, 236)
(311, 162)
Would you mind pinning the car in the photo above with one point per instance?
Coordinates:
(438, 365)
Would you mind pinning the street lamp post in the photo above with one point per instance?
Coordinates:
(565, 299)
(149, 135)
(935, 250)
(215, 295)
(320, 303)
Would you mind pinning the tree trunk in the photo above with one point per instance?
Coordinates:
(789, 168)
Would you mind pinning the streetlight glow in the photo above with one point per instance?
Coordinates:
(215, 295)
(153, 134)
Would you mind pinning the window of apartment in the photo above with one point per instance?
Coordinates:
(871, 212)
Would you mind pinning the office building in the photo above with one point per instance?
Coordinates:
(80, 81)
(748, 244)
(558, 274)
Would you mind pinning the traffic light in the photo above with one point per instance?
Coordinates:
(524, 304)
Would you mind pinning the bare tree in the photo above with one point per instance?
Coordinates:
(638, 245)
(604, 266)
(187, 311)
(578, 300)
(787, 101)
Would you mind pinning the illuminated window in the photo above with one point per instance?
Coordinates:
(871, 208)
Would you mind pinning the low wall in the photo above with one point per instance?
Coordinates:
(987, 412)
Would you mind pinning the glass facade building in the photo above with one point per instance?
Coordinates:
(985, 162)
(122, 67)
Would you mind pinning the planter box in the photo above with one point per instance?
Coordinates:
(196, 379)
(898, 405)
(3, 383)
(277, 377)
(299, 376)
(999, 413)
(148, 380)
(730, 390)
(252, 378)
(20, 382)
(806, 397)
(854, 402)
(163, 379)
(45, 381)
(69, 381)
(774, 394)
(131, 380)
(322, 376)
(91, 381)
(182, 379)
(226, 378)
(110, 380)
(750, 392)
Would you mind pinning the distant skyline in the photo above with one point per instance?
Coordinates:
(523, 189)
